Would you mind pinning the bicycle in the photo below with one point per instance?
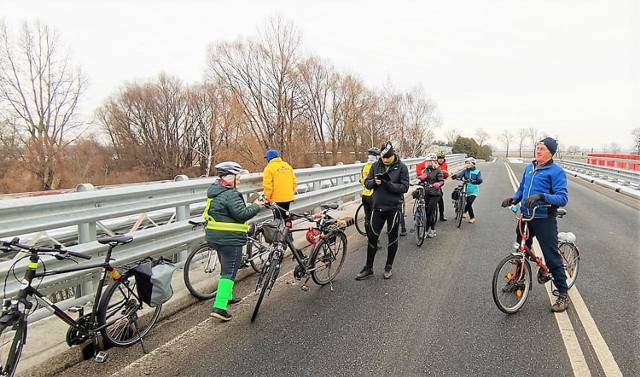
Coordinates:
(359, 218)
(329, 248)
(419, 213)
(116, 313)
(461, 201)
(201, 266)
(512, 277)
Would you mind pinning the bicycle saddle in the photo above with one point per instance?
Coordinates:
(330, 206)
(120, 239)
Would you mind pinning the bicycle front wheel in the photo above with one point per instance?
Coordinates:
(511, 283)
(200, 270)
(265, 284)
(13, 330)
(124, 318)
(419, 223)
(360, 220)
(327, 258)
(256, 252)
(460, 210)
(571, 261)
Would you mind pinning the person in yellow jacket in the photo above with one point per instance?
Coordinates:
(373, 154)
(278, 181)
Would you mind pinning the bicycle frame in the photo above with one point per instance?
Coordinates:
(524, 237)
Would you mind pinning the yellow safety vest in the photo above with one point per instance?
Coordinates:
(363, 175)
(222, 226)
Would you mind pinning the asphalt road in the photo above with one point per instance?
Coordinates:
(435, 316)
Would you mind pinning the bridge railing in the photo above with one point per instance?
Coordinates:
(81, 216)
(621, 176)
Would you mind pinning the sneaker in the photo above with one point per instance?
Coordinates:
(234, 300)
(464, 215)
(472, 221)
(562, 303)
(221, 314)
(433, 233)
(543, 277)
(403, 232)
(387, 272)
(430, 233)
(442, 218)
(365, 273)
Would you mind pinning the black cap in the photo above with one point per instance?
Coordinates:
(386, 150)
(551, 144)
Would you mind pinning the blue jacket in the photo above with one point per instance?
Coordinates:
(471, 175)
(550, 180)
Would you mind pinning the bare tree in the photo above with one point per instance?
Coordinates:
(534, 137)
(482, 136)
(452, 135)
(636, 139)
(40, 89)
(615, 148)
(522, 136)
(573, 149)
(506, 137)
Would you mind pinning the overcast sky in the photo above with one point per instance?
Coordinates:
(568, 68)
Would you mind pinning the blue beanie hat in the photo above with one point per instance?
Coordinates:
(271, 154)
(551, 144)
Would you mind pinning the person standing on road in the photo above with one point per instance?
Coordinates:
(474, 178)
(373, 154)
(227, 217)
(432, 176)
(544, 182)
(389, 180)
(444, 167)
(279, 182)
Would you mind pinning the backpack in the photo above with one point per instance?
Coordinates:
(153, 281)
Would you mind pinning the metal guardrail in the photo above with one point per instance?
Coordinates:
(621, 176)
(82, 212)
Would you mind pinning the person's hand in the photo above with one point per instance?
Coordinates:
(378, 182)
(437, 185)
(423, 176)
(259, 202)
(507, 202)
(528, 202)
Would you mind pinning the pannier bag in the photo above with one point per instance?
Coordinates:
(272, 231)
(455, 194)
(153, 281)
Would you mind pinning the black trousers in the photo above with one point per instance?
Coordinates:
(377, 221)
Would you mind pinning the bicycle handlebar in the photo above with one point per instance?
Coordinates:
(561, 212)
(57, 250)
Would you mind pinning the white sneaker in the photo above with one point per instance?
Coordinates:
(430, 233)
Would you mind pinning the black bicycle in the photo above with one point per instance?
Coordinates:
(359, 218)
(118, 313)
(329, 249)
(201, 266)
(419, 213)
(459, 196)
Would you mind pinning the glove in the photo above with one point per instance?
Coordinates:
(437, 185)
(473, 181)
(508, 201)
(423, 176)
(528, 202)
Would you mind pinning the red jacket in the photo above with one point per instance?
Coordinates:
(443, 166)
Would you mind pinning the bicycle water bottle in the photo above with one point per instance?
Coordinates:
(514, 208)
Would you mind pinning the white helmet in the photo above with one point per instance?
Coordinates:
(227, 168)
(471, 160)
(431, 157)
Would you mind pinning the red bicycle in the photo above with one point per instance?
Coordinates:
(512, 278)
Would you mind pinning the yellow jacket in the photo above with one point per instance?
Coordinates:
(363, 175)
(279, 181)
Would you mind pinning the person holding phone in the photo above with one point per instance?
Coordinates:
(389, 180)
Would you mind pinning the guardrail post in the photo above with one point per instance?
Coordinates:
(86, 233)
(182, 213)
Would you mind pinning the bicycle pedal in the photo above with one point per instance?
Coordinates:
(74, 309)
(101, 357)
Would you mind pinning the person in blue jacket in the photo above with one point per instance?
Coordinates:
(545, 182)
(474, 178)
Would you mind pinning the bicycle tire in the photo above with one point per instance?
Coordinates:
(460, 211)
(571, 259)
(120, 310)
(419, 223)
(9, 365)
(200, 270)
(257, 258)
(509, 294)
(360, 220)
(267, 280)
(331, 252)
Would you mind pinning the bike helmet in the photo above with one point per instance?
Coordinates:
(431, 157)
(374, 151)
(440, 154)
(227, 168)
(471, 160)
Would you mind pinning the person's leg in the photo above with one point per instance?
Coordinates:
(392, 219)
(367, 203)
(230, 257)
(432, 203)
(441, 208)
(469, 208)
(547, 236)
(376, 223)
(282, 211)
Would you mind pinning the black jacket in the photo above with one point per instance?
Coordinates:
(389, 195)
(433, 176)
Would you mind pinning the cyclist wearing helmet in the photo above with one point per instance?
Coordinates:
(474, 178)
(373, 154)
(227, 218)
(389, 179)
(279, 181)
(432, 176)
(442, 162)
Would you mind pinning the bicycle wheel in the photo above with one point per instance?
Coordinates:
(360, 220)
(124, 317)
(511, 283)
(460, 209)
(14, 332)
(419, 223)
(571, 259)
(266, 281)
(256, 252)
(327, 257)
(200, 269)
